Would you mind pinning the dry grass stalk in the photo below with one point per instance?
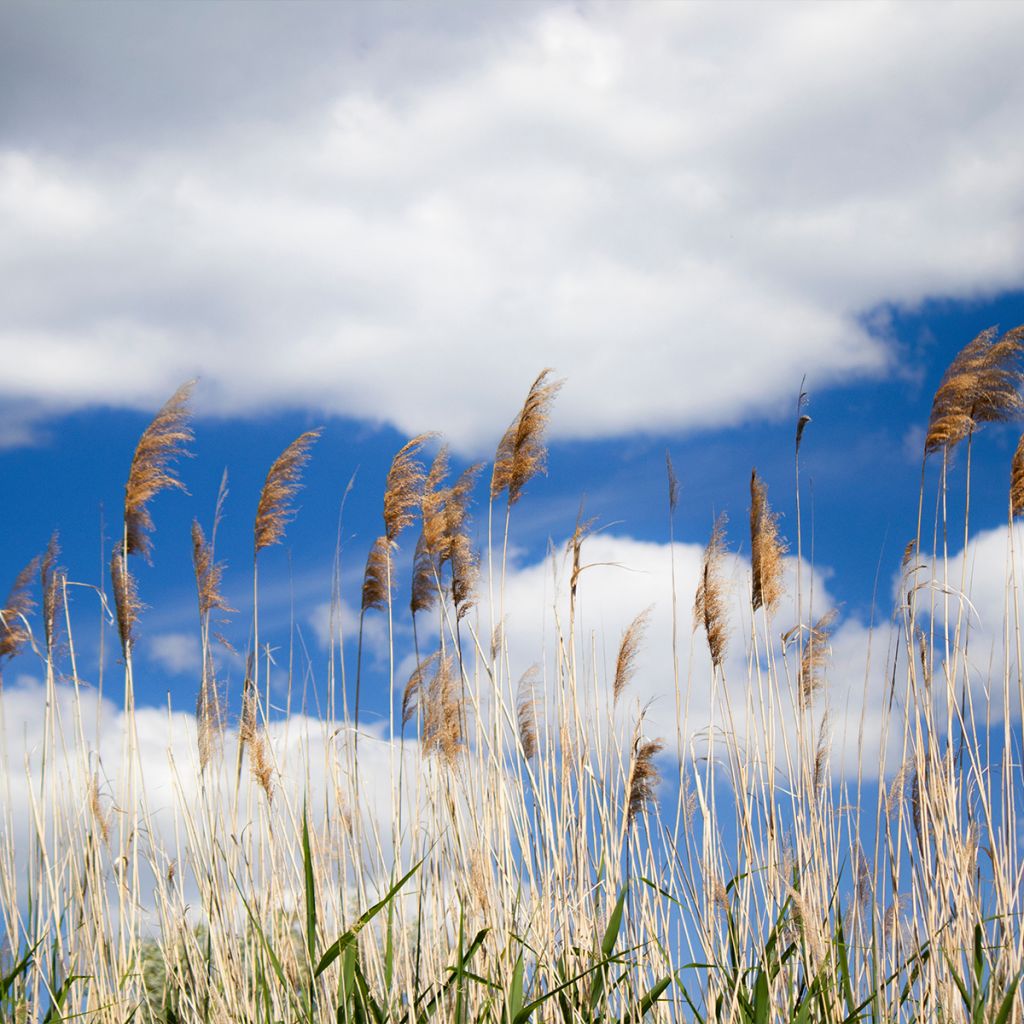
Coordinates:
(766, 548)
(375, 577)
(126, 597)
(151, 472)
(526, 711)
(521, 454)
(274, 511)
(815, 657)
(14, 631)
(404, 487)
(644, 777)
(442, 713)
(49, 582)
(629, 648)
(709, 604)
(982, 385)
(1017, 480)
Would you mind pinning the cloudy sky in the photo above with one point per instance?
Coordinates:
(386, 219)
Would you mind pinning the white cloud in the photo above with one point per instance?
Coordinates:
(178, 653)
(681, 209)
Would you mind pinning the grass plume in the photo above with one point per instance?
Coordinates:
(284, 479)
(709, 606)
(766, 548)
(152, 470)
(14, 631)
(981, 385)
(629, 648)
(521, 453)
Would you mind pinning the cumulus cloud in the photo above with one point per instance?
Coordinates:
(681, 209)
(178, 653)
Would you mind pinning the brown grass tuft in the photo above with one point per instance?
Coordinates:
(629, 648)
(126, 597)
(521, 454)
(151, 472)
(404, 488)
(375, 577)
(14, 631)
(766, 548)
(1017, 480)
(101, 818)
(526, 711)
(815, 657)
(709, 603)
(644, 778)
(274, 512)
(425, 574)
(982, 385)
(49, 584)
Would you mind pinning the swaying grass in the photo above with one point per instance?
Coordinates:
(528, 849)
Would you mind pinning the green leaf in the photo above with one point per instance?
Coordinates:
(336, 948)
(650, 997)
(1003, 1013)
(762, 1005)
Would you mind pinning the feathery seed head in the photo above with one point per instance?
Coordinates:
(1017, 480)
(126, 598)
(151, 470)
(375, 578)
(766, 548)
(643, 781)
(521, 453)
(629, 648)
(49, 580)
(284, 479)
(526, 711)
(815, 657)
(982, 385)
(709, 603)
(404, 487)
(14, 632)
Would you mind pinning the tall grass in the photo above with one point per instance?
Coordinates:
(533, 848)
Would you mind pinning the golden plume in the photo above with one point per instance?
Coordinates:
(442, 713)
(151, 471)
(14, 632)
(50, 580)
(403, 489)
(629, 648)
(375, 578)
(1017, 480)
(766, 548)
(209, 720)
(414, 688)
(673, 484)
(982, 385)
(521, 454)
(274, 513)
(208, 573)
(126, 598)
(425, 574)
(709, 603)
(526, 711)
(644, 778)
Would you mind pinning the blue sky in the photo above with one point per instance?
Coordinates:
(388, 219)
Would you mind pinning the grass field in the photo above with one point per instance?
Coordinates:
(528, 847)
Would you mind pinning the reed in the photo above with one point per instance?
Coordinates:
(522, 851)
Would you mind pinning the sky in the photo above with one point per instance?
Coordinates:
(388, 219)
